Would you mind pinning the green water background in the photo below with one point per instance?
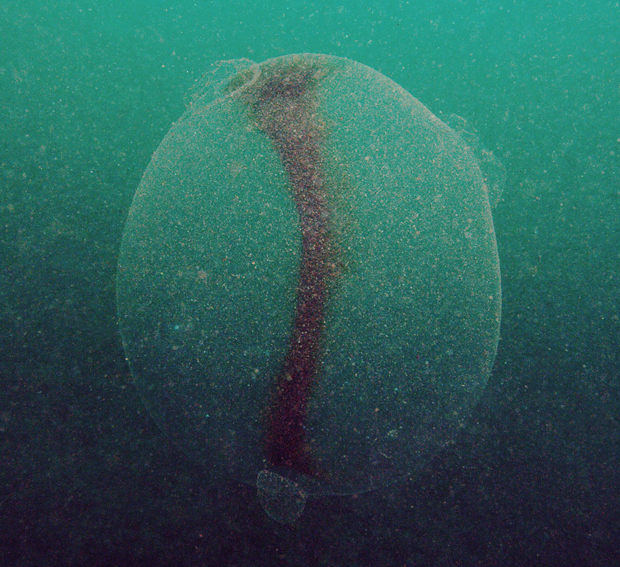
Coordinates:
(89, 89)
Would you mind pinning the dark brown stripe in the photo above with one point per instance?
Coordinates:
(286, 111)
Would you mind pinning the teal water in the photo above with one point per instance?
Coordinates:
(87, 92)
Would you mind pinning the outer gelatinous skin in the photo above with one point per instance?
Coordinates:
(285, 109)
(308, 281)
